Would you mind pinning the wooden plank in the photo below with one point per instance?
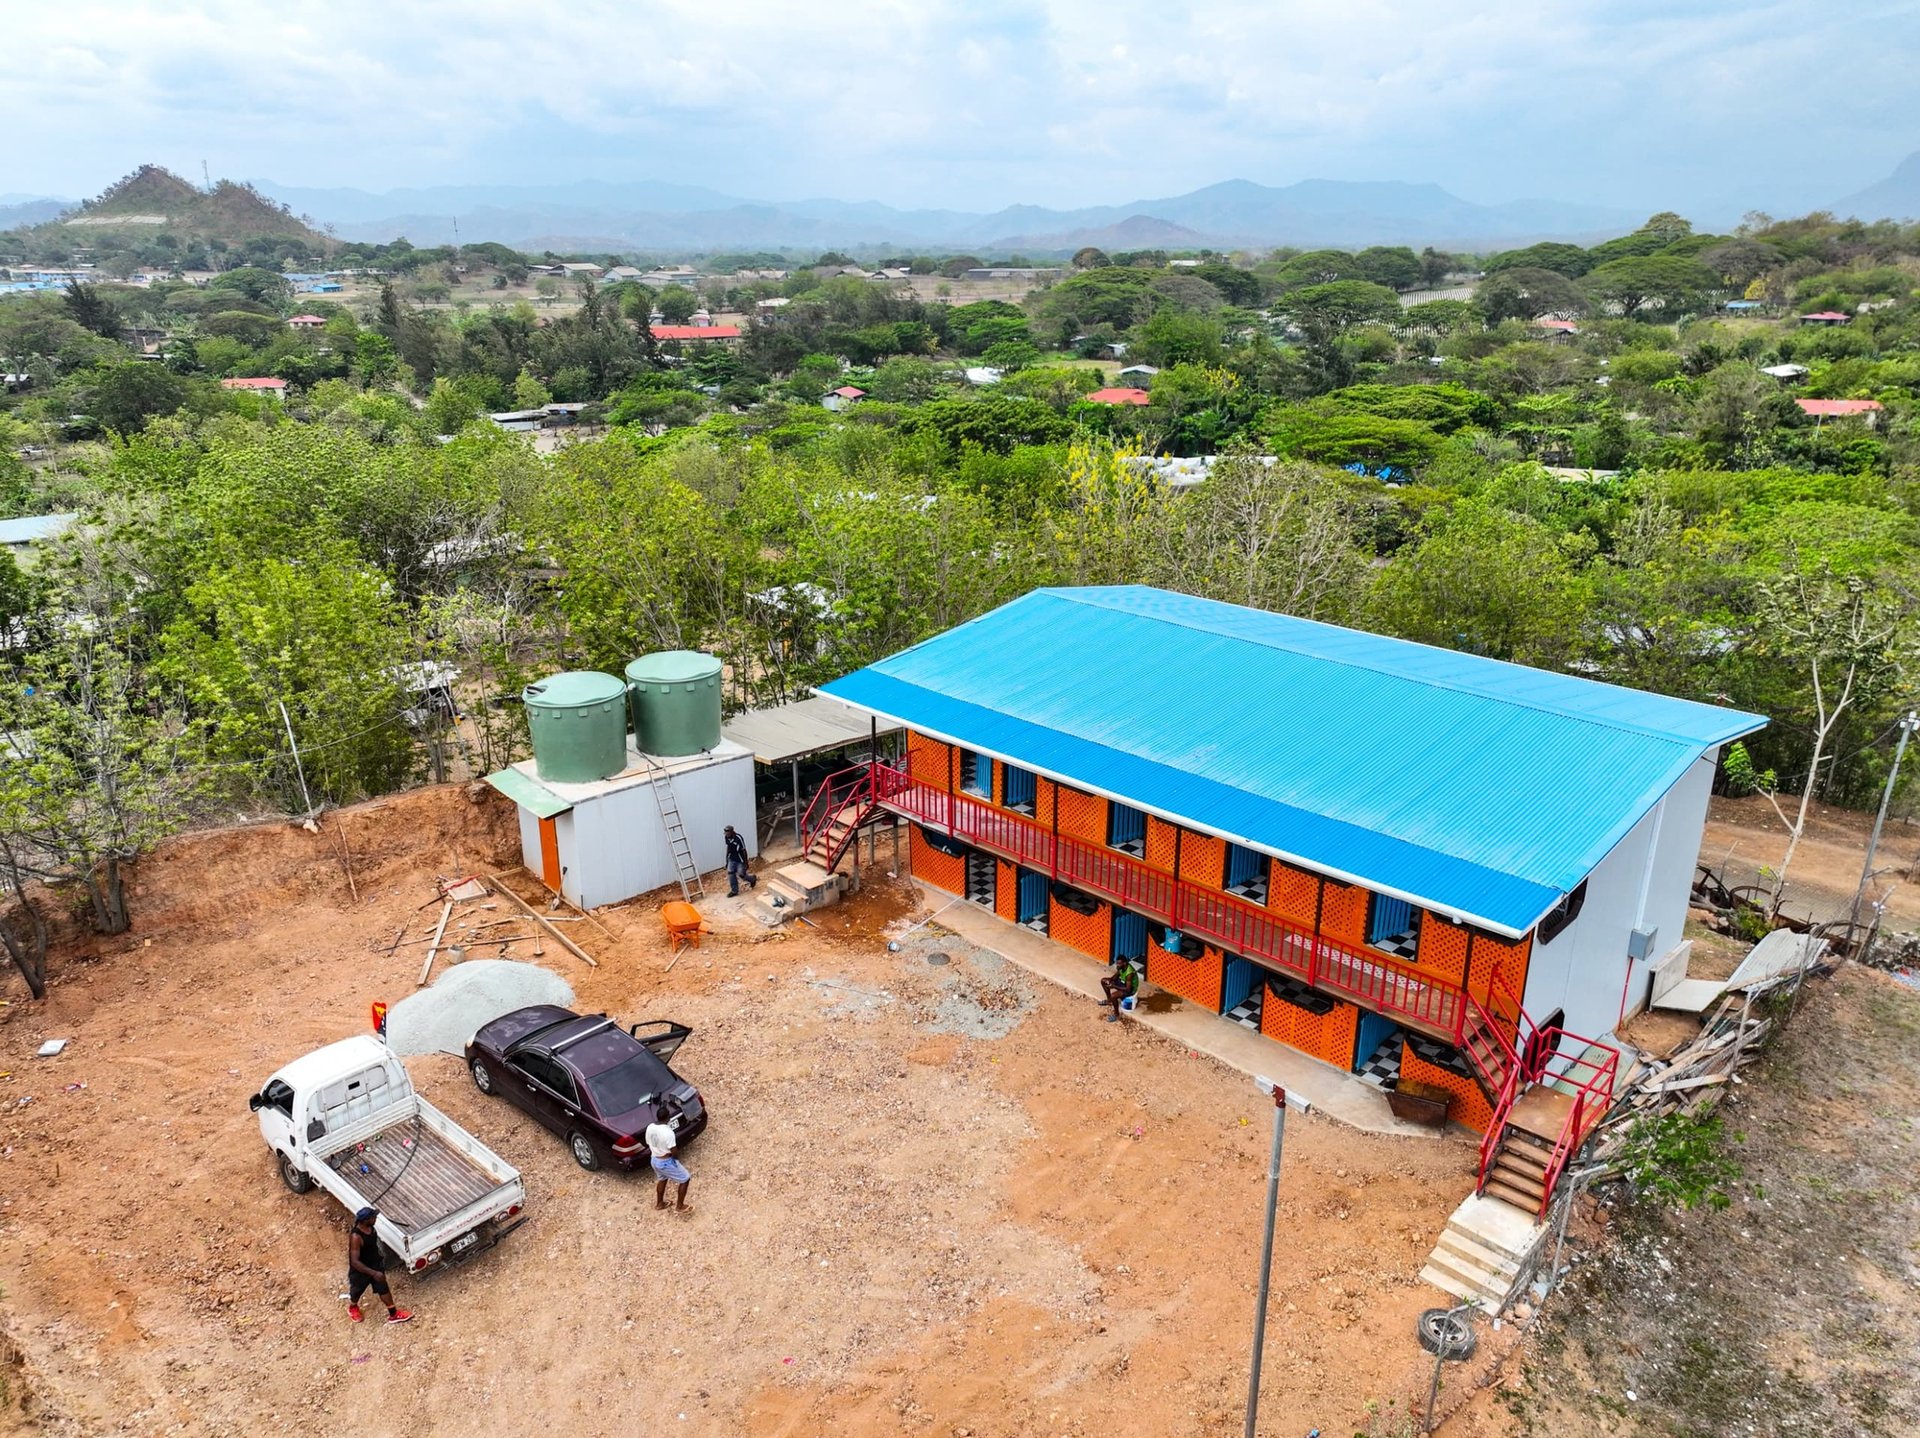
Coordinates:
(566, 943)
(1701, 1081)
(446, 909)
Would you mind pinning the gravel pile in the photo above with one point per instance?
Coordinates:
(442, 1018)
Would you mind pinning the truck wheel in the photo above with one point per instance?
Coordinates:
(583, 1153)
(294, 1177)
(1446, 1332)
(482, 1080)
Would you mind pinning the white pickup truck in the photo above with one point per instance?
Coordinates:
(346, 1117)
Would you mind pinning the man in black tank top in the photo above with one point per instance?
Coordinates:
(367, 1268)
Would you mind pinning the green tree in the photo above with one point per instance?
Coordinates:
(124, 397)
(528, 392)
(97, 775)
(323, 635)
(1668, 283)
(263, 286)
(1090, 257)
(1853, 638)
(91, 310)
(676, 304)
(1395, 266)
(1526, 293)
(1489, 582)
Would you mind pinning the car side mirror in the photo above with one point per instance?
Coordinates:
(256, 1103)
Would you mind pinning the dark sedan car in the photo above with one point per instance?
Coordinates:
(586, 1078)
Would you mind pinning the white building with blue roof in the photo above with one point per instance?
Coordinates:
(1424, 867)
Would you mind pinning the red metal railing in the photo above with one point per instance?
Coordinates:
(1227, 922)
(1591, 1074)
(851, 786)
(1497, 1037)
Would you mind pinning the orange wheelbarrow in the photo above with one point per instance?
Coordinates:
(683, 924)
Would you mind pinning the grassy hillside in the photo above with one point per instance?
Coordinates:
(153, 201)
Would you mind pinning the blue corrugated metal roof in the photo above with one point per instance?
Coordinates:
(1481, 789)
(34, 528)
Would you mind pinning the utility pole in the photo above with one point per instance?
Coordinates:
(298, 767)
(1908, 723)
(1266, 1086)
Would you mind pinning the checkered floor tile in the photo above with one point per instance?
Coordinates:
(1254, 891)
(1440, 1055)
(1382, 1068)
(1247, 1012)
(1401, 946)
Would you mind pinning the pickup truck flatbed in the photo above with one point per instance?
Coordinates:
(346, 1118)
(412, 1175)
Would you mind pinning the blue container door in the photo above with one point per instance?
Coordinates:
(1126, 828)
(1033, 896)
(1240, 978)
(1388, 918)
(1017, 787)
(1244, 866)
(1129, 935)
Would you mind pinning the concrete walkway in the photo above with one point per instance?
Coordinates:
(1334, 1093)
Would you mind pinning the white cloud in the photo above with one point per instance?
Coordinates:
(935, 102)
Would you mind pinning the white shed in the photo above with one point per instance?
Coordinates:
(606, 841)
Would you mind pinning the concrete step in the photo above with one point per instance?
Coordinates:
(1466, 1280)
(1498, 1226)
(1464, 1246)
(1447, 1283)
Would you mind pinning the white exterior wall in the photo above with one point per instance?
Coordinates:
(1642, 884)
(613, 845)
(529, 842)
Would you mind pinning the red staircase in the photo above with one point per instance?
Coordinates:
(1545, 1102)
(845, 802)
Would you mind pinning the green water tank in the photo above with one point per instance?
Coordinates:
(579, 726)
(676, 702)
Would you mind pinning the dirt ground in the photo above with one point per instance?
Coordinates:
(935, 1198)
(1794, 1310)
(1745, 836)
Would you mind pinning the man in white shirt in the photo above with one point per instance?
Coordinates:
(661, 1142)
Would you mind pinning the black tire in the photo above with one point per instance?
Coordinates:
(294, 1178)
(584, 1153)
(1444, 1328)
(482, 1077)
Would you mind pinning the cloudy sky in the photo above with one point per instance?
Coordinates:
(1639, 103)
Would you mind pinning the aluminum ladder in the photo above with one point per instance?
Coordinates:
(684, 868)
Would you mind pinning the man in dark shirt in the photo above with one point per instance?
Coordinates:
(737, 863)
(367, 1268)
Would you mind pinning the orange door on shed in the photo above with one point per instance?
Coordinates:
(550, 855)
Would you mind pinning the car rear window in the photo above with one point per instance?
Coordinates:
(624, 1088)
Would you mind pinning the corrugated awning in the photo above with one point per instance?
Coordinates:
(801, 729)
(529, 793)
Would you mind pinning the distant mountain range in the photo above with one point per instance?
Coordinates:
(651, 216)
(645, 216)
(1895, 198)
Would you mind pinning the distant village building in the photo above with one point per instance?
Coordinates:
(258, 384)
(1121, 396)
(724, 334)
(847, 394)
(1825, 318)
(18, 537)
(305, 322)
(1865, 410)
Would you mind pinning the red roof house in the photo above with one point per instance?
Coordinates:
(305, 322)
(257, 382)
(1119, 396)
(1826, 317)
(1558, 327)
(847, 391)
(1832, 408)
(696, 332)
